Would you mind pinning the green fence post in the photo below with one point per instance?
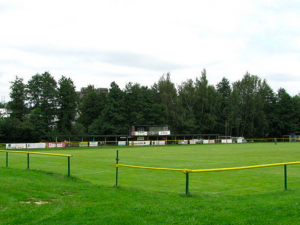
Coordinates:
(285, 178)
(28, 161)
(187, 183)
(6, 159)
(117, 168)
(69, 166)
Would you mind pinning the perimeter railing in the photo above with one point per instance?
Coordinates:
(38, 153)
(188, 171)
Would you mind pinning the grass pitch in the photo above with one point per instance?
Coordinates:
(252, 196)
(97, 165)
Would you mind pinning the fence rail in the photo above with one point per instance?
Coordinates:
(187, 171)
(38, 153)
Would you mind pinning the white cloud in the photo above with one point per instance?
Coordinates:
(97, 42)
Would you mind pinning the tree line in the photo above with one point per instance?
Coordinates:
(44, 108)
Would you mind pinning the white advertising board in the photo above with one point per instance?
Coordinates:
(224, 141)
(183, 142)
(16, 146)
(205, 141)
(239, 140)
(158, 143)
(36, 145)
(121, 143)
(192, 142)
(140, 143)
(167, 132)
(93, 144)
(141, 133)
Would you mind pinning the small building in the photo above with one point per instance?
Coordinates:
(148, 135)
(4, 113)
(149, 130)
(81, 92)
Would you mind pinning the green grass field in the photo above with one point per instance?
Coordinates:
(251, 196)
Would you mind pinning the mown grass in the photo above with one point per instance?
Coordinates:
(253, 196)
(97, 165)
(74, 201)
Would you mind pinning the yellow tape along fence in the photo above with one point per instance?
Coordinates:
(187, 171)
(38, 153)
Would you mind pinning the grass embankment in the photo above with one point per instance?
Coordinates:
(34, 197)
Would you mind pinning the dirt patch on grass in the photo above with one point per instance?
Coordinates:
(35, 202)
(41, 202)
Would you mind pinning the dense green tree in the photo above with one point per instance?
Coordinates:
(25, 130)
(296, 101)
(140, 106)
(167, 96)
(249, 99)
(187, 98)
(248, 108)
(244, 100)
(272, 115)
(114, 119)
(91, 106)
(206, 105)
(265, 102)
(39, 125)
(67, 105)
(42, 94)
(187, 94)
(18, 99)
(224, 88)
(134, 105)
(212, 111)
(96, 127)
(287, 108)
(2, 132)
(78, 129)
(14, 130)
(225, 115)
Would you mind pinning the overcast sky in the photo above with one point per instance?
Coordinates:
(101, 41)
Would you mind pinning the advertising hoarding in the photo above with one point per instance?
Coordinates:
(192, 142)
(93, 144)
(140, 133)
(83, 144)
(158, 142)
(121, 143)
(16, 146)
(167, 132)
(224, 141)
(35, 145)
(239, 140)
(56, 144)
(139, 143)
